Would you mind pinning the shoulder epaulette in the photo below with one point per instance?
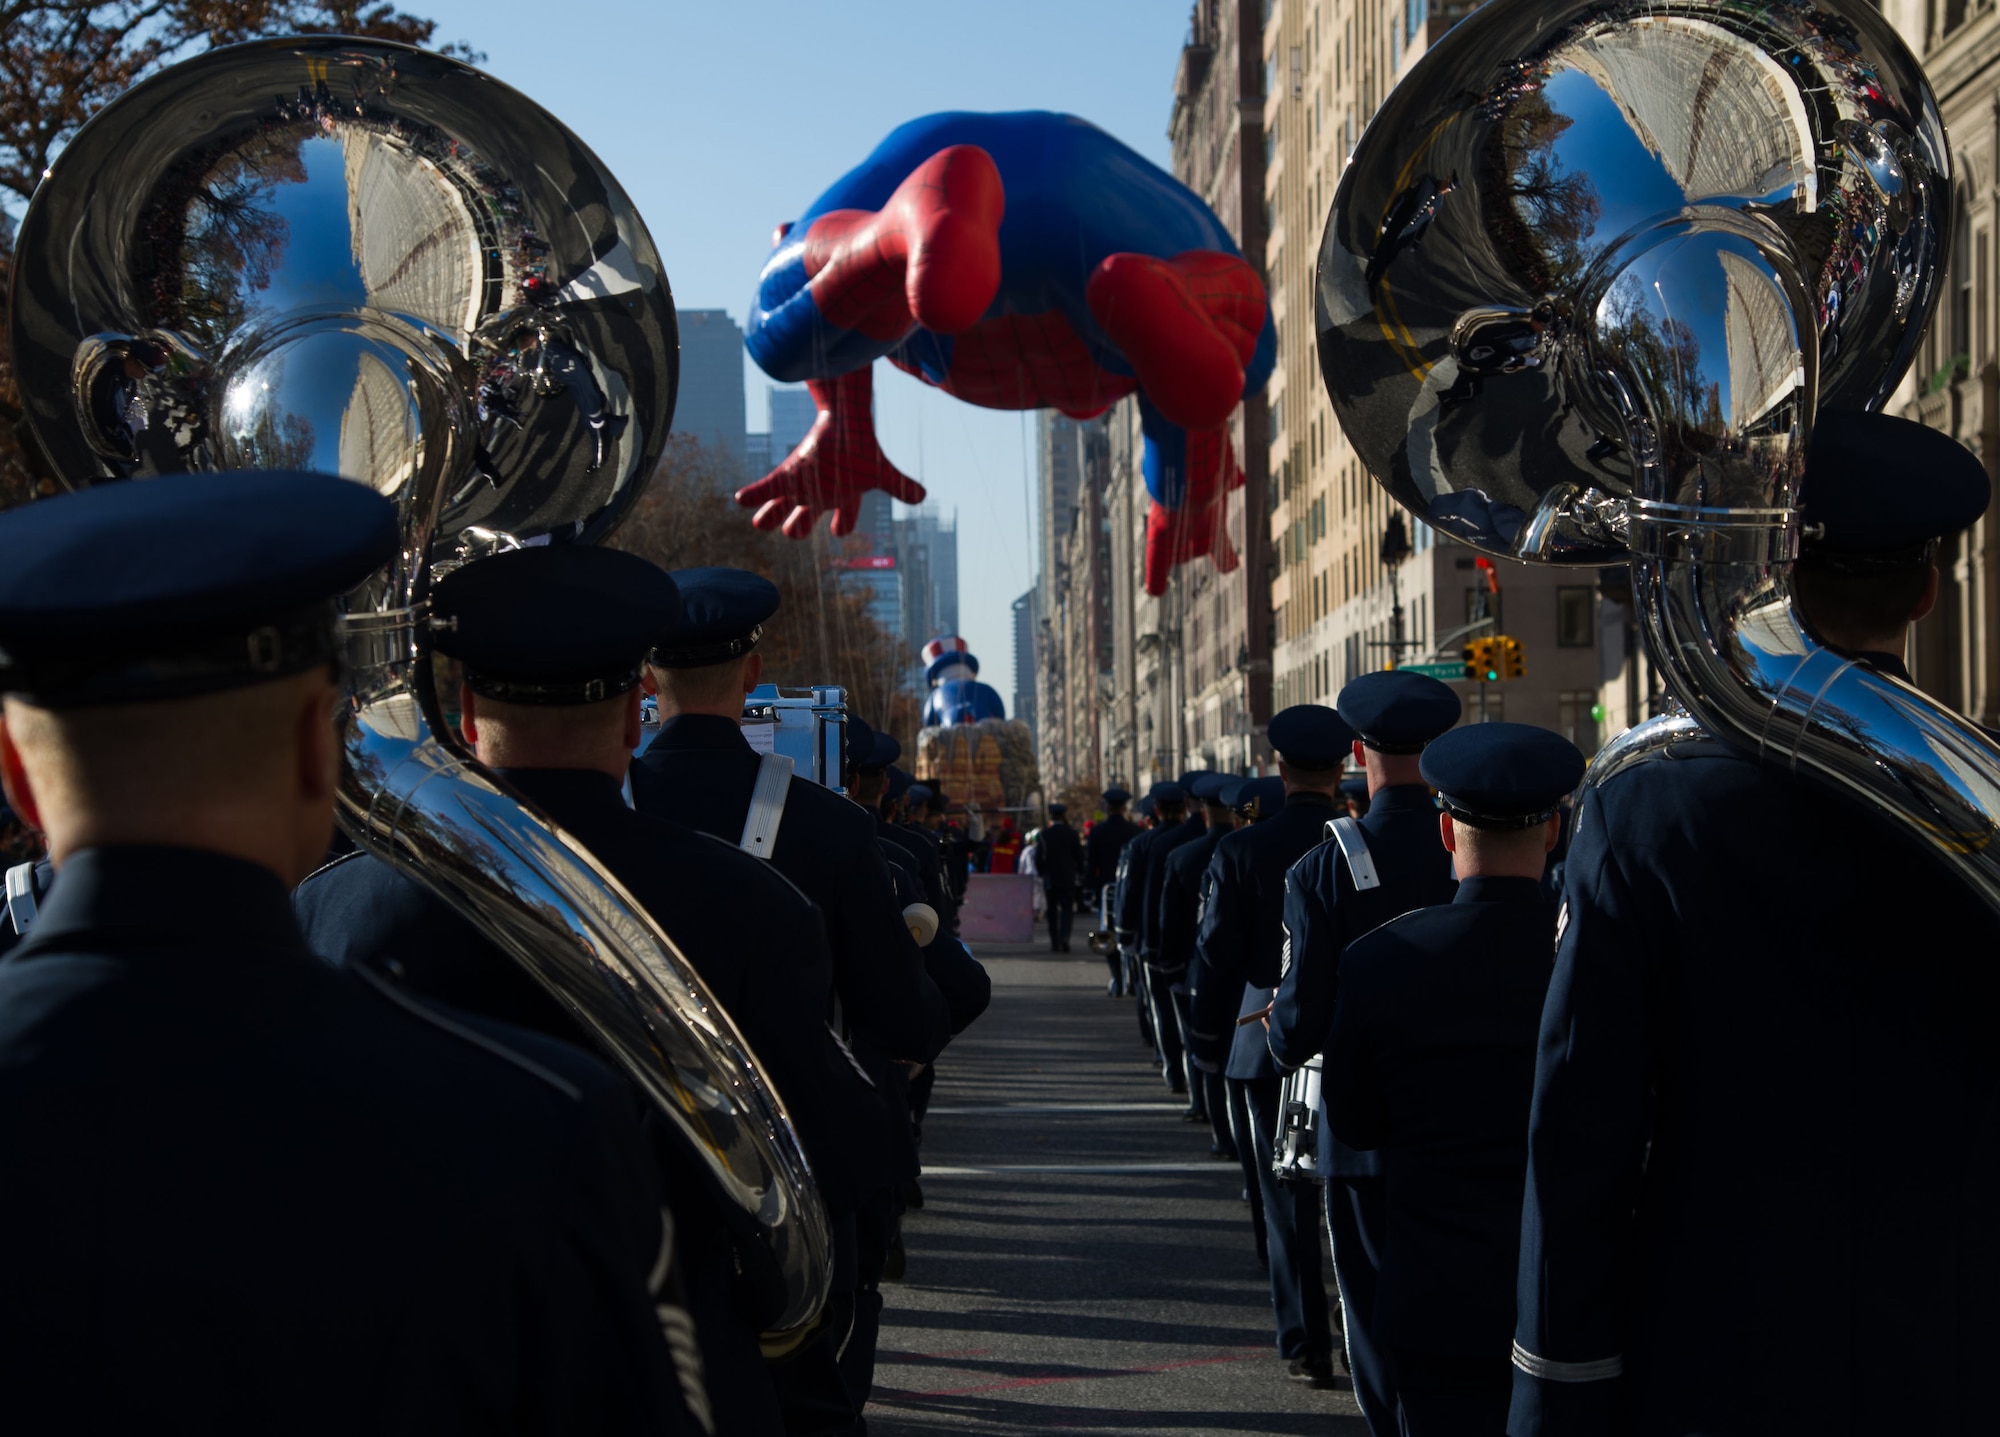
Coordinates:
(769, 869)
(332, 864)
(445, 1023)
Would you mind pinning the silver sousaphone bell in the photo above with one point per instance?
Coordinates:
(360, 258)
(1588, 275)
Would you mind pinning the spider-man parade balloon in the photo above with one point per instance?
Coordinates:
(1016, 261)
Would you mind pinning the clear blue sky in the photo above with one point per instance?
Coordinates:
(723, 118)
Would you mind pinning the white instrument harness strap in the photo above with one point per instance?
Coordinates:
(1354, 847)
(21, 897)
(767, 805)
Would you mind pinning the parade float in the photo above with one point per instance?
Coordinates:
(968, 748)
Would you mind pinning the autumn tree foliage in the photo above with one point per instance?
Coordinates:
(822, 633)
(61, 61)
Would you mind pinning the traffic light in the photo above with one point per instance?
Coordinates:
(1513, 664)
(1481, 661)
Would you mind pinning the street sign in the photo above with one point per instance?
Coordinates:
(1435, 671)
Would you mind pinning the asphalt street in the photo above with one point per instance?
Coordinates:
(1081, 1264)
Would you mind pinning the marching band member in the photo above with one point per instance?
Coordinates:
(1377, 867)
(1180, 919)
(1102, 850)
(553, 641)
(1431, 1065)
(1765, 1140)
(700, 770)
(1236, 969)
(460, 1219)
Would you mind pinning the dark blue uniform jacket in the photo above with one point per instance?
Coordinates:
(960, 977)
(242, 1189)
(1243, 932)
(926, 856)
(1180, 898)
(1432, 1064)
(1765, 1144)
(1324, 913)
(755, 940)
(1059, 861)
(1100, 849)
(699, 770)
(1127, 903)
(1158, 850)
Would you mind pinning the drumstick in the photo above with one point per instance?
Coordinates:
(1248, 1018)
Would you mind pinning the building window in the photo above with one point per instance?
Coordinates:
(1576, 617)
(1576, 717)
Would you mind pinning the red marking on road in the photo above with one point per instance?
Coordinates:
(1245, 1355)
(887, 1356)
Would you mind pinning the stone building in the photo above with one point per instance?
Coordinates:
(1080, 628)
(1955, 383)
(1189, 682)
(1357, 584)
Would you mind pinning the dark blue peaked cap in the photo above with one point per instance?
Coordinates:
(568, 624)
(1209, 787)
(1188, 780)
(1116, 795)
(1878, 487)
(722, 617)
(860, 742)
(868, 749)
(1166, 791)
(1259, 797)
(1310, 736)
(1395, 711)
(898, 782)
(1502, 775)
(182, 585)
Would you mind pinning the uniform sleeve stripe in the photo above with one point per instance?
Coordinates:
(1602, 1370)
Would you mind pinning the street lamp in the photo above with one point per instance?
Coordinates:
(1395, 549)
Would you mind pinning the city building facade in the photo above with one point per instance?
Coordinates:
(1358, 584)
(1185, 680)
(1066, 456)
(1023, 707)
(1269, 100)
(1955, 383)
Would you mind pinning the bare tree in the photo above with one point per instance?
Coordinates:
(823, 633)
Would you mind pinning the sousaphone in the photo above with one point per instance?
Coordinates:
(360, 258)
(1588, 277)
